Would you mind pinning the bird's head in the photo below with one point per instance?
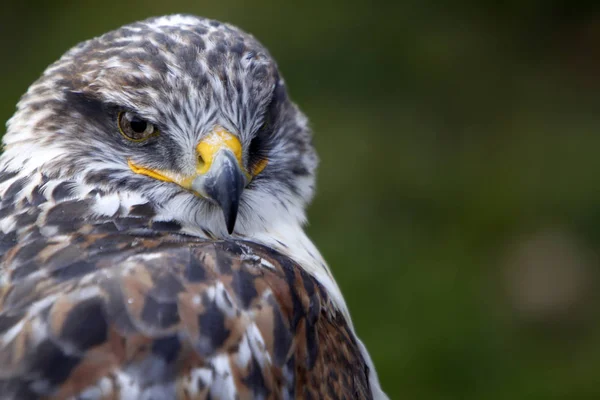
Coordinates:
(188, 112)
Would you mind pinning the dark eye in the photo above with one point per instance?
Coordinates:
(135, 128)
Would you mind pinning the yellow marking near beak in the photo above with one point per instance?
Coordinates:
(258, 168)
(215, 141)
(149, 172)
(183, 181)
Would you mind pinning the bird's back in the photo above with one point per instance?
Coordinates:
(128, 307)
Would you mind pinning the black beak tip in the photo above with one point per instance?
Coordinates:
(229, 204)
(226, 190)
(230, 228)
(230, 217)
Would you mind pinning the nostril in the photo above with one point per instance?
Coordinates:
(203, 159)
(200, 161)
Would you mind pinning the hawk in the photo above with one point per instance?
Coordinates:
(153, 188)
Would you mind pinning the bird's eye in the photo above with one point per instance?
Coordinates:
(135, 128)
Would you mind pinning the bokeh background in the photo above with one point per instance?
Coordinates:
(459, 199)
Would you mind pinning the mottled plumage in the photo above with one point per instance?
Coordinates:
(175, 266)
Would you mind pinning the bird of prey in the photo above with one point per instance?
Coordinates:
(153, 189)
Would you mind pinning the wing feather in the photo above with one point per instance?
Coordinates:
(113, 315)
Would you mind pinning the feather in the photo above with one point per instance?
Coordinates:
(117, 285)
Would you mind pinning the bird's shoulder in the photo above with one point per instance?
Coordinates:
(119, 307)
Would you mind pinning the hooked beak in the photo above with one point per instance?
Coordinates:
(223, 183)
(219, 175)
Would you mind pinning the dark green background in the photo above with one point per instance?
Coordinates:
(459, 190)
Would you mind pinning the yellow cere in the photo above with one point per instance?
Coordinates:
(218, 139)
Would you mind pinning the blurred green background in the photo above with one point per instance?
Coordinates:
(458, 202)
